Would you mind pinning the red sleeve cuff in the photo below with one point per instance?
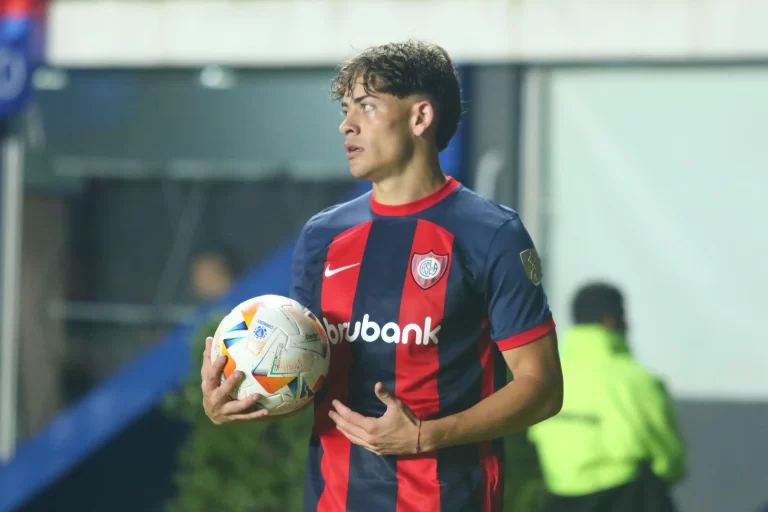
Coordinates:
(528, 336)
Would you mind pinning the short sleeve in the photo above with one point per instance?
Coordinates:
(518, 312)
(301, 289)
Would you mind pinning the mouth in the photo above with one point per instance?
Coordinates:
(352, 151)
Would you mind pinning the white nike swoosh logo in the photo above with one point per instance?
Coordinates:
(329, 272)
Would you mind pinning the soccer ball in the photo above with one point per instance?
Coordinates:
(281, 348)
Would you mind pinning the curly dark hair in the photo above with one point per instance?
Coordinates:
(403, 69)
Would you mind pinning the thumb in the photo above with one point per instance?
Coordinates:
(383, 394)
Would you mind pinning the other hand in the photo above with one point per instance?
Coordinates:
(394, 433)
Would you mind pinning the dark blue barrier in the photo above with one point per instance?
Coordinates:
(118, 401)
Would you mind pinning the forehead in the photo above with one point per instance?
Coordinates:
(357, 92)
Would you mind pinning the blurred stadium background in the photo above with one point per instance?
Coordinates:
(630, 136)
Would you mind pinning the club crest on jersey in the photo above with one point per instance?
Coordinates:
(428, 269)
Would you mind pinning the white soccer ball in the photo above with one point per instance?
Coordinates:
(280, 346)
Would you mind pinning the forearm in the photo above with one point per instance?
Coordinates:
(521, 403)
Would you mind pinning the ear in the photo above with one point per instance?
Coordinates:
(610, 322)
(423, 116)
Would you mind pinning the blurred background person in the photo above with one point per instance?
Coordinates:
(213, 271)
(615, 446)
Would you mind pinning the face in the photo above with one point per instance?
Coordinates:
(210, 278)
(381, 131)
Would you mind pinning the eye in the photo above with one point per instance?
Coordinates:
(367, 107)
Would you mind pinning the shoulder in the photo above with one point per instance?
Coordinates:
(320, 230)
(638, 376)
(484, 221)
(341, 215)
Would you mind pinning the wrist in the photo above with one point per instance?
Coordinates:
(436, 434)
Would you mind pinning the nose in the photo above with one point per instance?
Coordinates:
(348, 126)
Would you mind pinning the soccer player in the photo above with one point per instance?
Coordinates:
(428, 293)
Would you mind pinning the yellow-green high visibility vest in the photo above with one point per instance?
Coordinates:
(615, 415)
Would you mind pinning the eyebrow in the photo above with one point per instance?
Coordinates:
(357, 100)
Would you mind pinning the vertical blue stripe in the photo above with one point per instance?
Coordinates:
(386, 264)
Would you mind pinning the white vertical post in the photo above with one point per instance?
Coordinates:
(12, 178)
(533, 155)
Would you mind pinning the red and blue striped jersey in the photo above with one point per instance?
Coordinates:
(423, 297)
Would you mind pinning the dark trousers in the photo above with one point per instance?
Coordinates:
(647, 493)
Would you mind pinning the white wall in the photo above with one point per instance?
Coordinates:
(659, 183)
(300, 32)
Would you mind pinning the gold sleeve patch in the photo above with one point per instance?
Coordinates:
(531, 265)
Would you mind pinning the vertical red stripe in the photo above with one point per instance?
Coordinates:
(490, 468)
(416, 367)
(337, 299)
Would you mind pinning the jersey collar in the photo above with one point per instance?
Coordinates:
(416, 206)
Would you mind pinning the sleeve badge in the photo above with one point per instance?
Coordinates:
(532, 265)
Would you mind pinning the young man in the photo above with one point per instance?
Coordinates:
(616, 446)
(428, 293)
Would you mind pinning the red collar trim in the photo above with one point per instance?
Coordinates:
(425, 202)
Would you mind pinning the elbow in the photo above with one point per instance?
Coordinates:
(554, 399)
(555, 403)
(679, 470)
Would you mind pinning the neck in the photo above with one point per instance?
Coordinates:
(417, 179)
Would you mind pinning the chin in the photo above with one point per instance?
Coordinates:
(361, 172)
